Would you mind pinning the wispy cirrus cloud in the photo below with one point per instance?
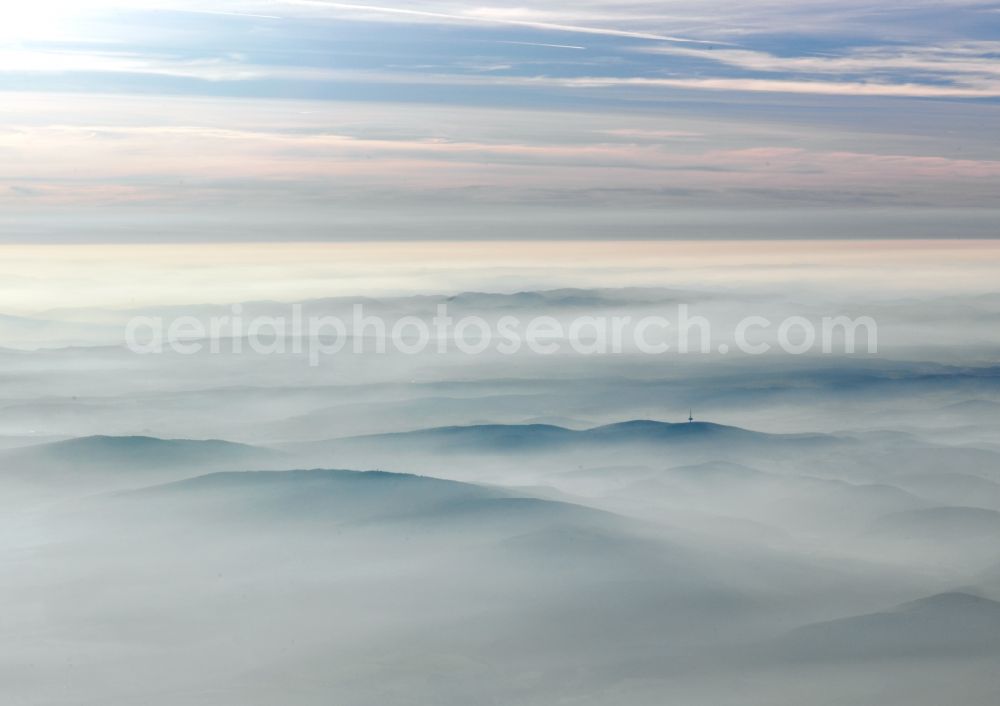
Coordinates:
(955, 69)
(207, 68)
(100, 152)
(968, 89)
(980, 58)
(976, 79)
(291, 105)
(633, 51)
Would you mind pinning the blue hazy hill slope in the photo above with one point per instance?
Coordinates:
(941, 625)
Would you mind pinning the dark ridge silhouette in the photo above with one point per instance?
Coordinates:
(531, 437)
(351, 497)
(142, 451)
(947, 624)
(96, 464)
(940, 524)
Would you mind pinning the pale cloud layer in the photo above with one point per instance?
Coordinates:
(411, 112)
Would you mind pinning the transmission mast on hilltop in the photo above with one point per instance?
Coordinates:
(690, 416)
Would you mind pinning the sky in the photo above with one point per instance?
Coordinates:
(235, 120)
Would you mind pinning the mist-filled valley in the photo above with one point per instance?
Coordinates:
(237, 526)
(548, 353)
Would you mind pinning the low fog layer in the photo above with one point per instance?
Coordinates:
(442, 528)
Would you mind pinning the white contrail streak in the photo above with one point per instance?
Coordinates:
(540, 44)
(226, 13)
(496, 21)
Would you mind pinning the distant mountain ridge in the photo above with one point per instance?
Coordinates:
(953, 623)
(940, 524)
(334, 499)
(567, 297)
(530, 437)
(147, 450)
(94, 464)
